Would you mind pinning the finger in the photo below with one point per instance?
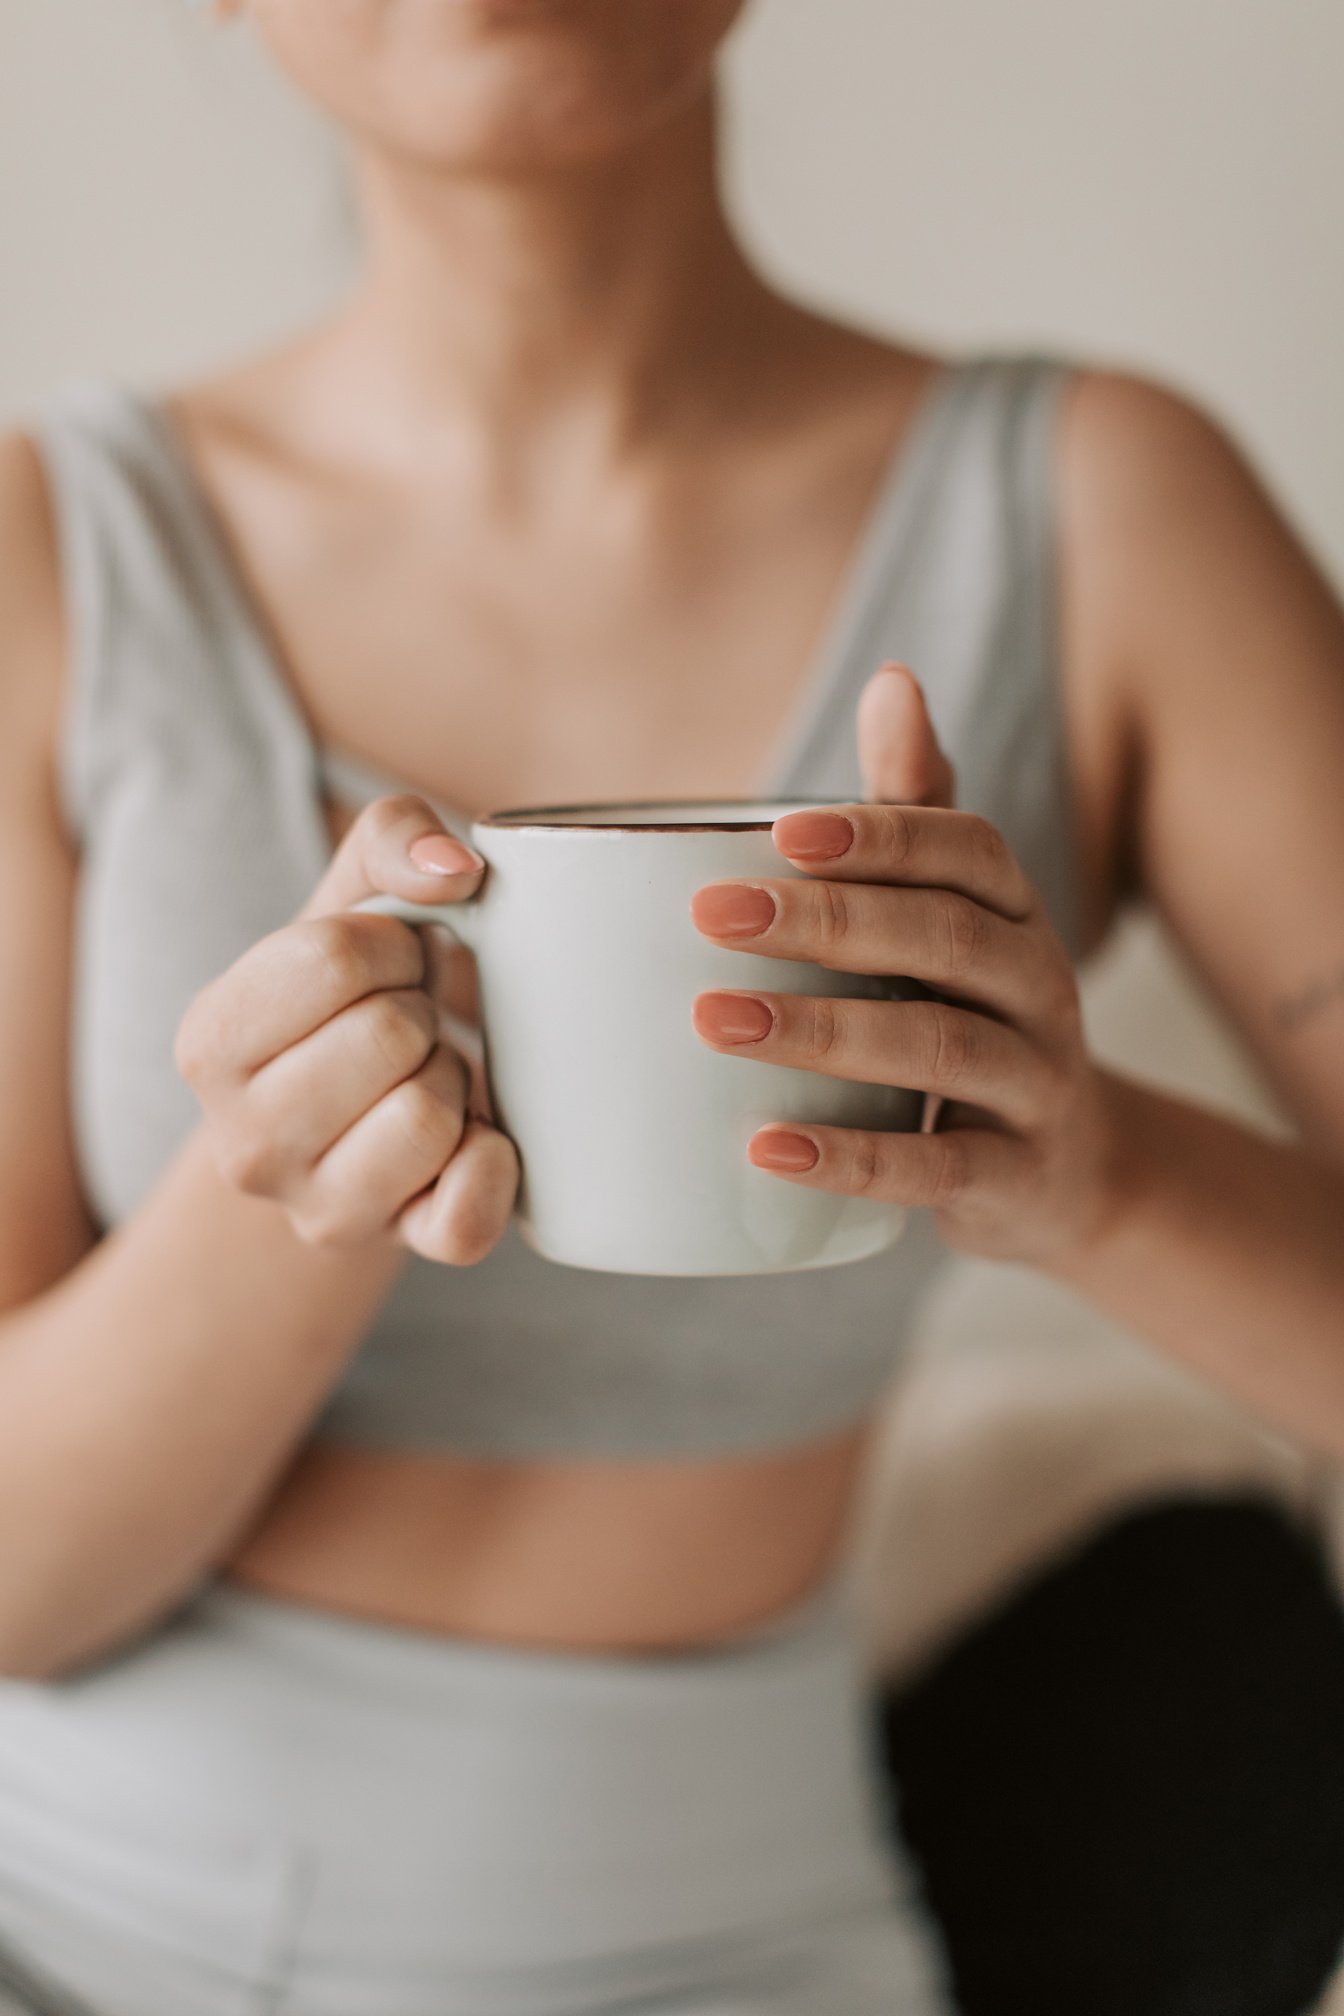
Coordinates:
(932, 1171)
(398, 846)
(309, 1094)
(910, 845)
(287, 985)
(390, 1153)
(467, 1210)
(450, 972)
(900, 756)
(925, 1045)
(931, 935)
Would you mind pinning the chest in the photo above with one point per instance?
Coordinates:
(616, 646)
(628, 646)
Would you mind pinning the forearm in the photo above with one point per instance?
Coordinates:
(150, 1400)
(1225, 1249)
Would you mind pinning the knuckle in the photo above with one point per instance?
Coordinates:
(950, 1173)
(954, 1048)
(337, 951)
(988, 846)
(430, 1124)
(384, 815)
(963, 928)
(897, 834)
(400, 1026)
(826, 1031)
(470, 1227)
(249, 1163)
(830, 914)
(323, 1228)
(865, 1166)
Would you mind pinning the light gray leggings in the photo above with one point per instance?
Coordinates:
(262, 1808)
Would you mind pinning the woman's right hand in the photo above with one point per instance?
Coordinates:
(319, 1061)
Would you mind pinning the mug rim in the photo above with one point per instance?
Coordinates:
(539, 818)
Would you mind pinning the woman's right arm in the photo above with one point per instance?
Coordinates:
(155, 1383)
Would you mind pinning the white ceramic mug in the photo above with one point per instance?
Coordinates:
(630, 1130)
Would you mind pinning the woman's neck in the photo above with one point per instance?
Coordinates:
(597, 300)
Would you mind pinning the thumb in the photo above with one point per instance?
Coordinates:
(899, 753)
(398, 846)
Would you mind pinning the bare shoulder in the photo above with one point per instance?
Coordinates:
(1179, 571)
(1132, 426)
(1185, 567)
(1156, 489)
(1204, 615)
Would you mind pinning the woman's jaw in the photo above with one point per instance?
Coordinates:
(497, 86)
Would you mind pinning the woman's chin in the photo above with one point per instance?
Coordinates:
(498, 84)
(521, 10)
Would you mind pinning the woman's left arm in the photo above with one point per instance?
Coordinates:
(1225, 649)
(1223, 1247)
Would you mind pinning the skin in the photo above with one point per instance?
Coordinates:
(563, 423)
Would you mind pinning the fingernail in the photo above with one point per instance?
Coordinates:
(733, 909)
(813, 836)
(785, 1151)
(732, 1018)
(439, 854)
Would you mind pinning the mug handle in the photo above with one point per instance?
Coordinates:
(465, 920)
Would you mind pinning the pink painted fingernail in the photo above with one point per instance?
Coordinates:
(732, 909)
(779, 1150)
(732, 1018)
(813, 836)
(439, 854)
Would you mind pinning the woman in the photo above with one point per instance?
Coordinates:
(395, 1621)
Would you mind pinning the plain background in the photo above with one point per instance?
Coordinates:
(1152, 183)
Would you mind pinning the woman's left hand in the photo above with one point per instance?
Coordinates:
(1022, 1165)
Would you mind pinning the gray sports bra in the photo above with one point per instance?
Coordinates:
(179, 722)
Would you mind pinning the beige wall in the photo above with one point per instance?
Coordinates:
(1159, 181)
(1153, 181)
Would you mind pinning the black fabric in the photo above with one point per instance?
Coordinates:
(1125, 1785)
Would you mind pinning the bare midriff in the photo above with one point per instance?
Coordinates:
(593, 1556)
